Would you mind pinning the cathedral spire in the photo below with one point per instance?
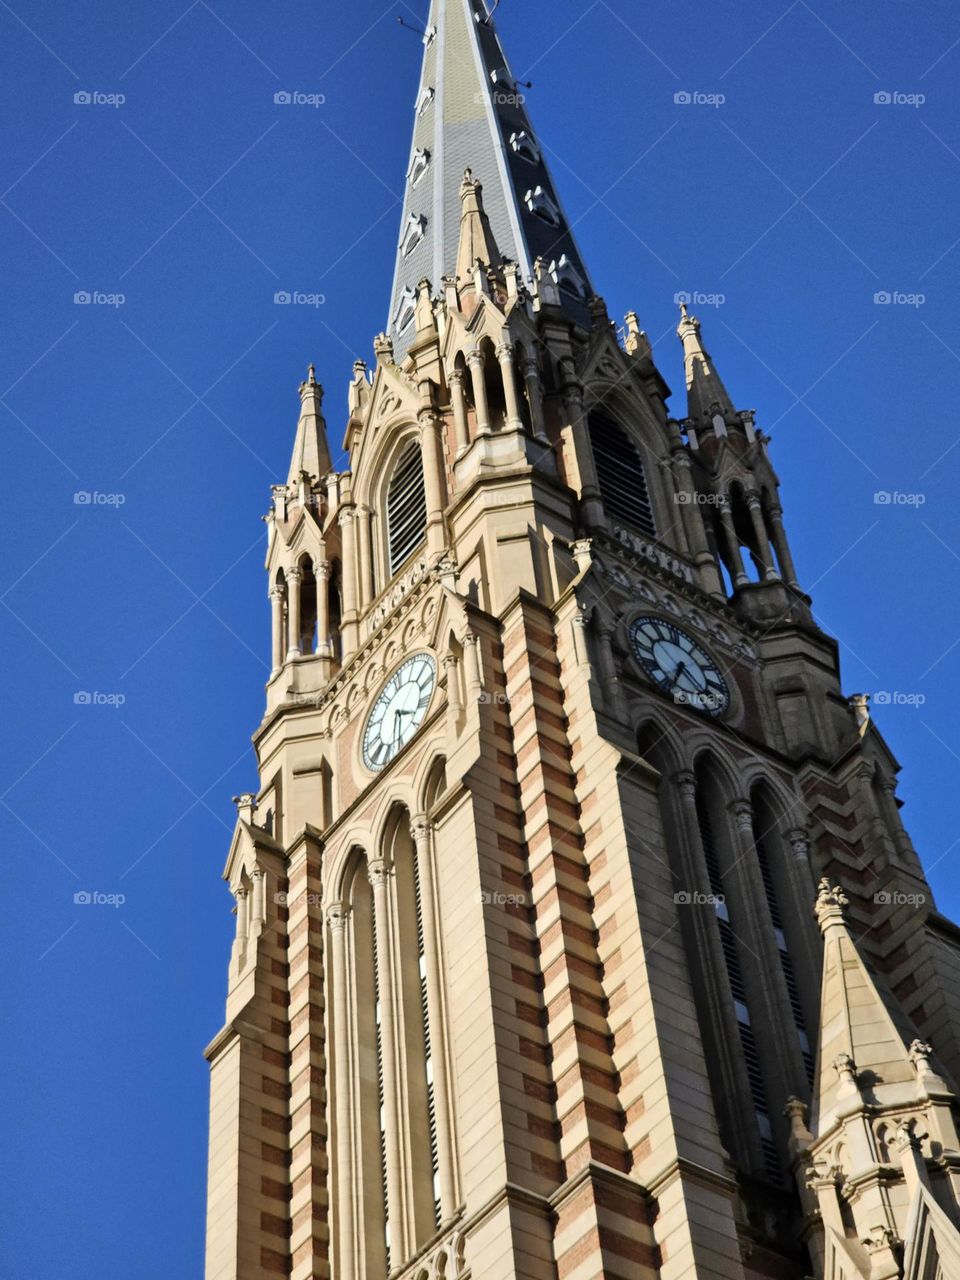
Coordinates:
(706, 394)
(470, 113)
(311, 453)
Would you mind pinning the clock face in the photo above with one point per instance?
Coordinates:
(676, 663)
(398, 712)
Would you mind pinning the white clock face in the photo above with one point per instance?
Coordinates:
(679, 665)
(398, 712)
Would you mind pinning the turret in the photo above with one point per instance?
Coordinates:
(311, 453)
(881, 1152)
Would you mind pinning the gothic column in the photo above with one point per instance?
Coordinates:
(592, 507)
(364, 549)
(471, 665)
(277, 596)
(475, 364)
(257, 905)
(422, 832)
(531, 378)
(733, 543)
(799, 840)
(322, 573)
(381, 874)
(712, 965)
(294, 578)
(350, 627)
(431, 448)
(242, 923)
(771, 989)
(760, 534)
(459, 400)
(781, 546)
(345, 1240)
(608, 669)
(505, 356)
(451, 665)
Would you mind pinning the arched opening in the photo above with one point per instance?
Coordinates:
(308, 606)
(335, 611)
(493, 383)
(520, 361)
(621, 475)
(436, 783)
(358, 1063)
(411, 1001)
(406, 507)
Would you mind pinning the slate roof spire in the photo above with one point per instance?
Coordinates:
(470, 113)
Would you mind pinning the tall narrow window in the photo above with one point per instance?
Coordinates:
(378, 1014)
(427, 1048)
(406, 508)
(786, 964)
(620, 475)
(738, 989)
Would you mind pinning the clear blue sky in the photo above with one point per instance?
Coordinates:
(798, 199)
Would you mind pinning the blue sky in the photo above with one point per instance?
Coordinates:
(798, 198)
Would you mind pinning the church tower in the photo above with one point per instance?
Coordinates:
(578, 935)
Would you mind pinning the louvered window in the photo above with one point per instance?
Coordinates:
(406, 508)
(382, 1111)
(428, 1050)
(738, 990)
(786, 964)
(621, 477)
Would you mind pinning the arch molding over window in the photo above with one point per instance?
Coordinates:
(406, 508)
(620, 475)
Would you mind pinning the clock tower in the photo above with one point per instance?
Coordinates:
(578, 934)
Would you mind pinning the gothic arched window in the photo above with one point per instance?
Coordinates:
(406, 508)
(620, 475)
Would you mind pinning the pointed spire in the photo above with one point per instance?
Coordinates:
(311, 453)
(477, 243)
(865, 1039)
(706, 394)
(470, 109)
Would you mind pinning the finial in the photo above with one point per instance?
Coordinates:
(920, 1052)
(311, 372)
(830, 903)
(383, 348)
(683, 311)
(859, 704)
(846, 1069)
